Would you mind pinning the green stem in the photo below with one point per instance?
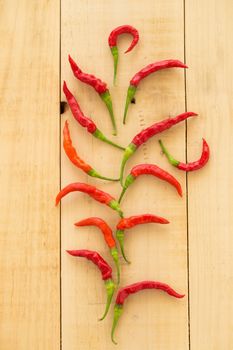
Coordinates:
(130, 95)
(171, 160)
(128, 181)
(108, 102)
(115, 206)
(118, 309)
(129, 151)
(120, 237)
(99, 135)
(94, 173)
(110, 288)
(114, 51)
(114, 253)
(122, 194)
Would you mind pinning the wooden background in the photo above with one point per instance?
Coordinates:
(49, 300)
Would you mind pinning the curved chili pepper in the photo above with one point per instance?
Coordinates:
(75, 159)
(143, 73)
(150, 169)
(83, 120)
(99, 86)
(192, 165)
(108, 236)
(105, 270)
(147, 133)
(127, 223)
(92, 191)
(112, 41)
(134, 288)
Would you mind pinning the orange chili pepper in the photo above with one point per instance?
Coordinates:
(108, 236)
(127, 223)
(92, 191)
(75, 159)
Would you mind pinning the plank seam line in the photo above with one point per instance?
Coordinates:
(186, 177)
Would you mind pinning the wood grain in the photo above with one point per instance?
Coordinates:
(30, 313)
(209, 92)
(29, 176)
(151, 320)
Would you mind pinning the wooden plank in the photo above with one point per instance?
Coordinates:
(209, 92)
(151, 320)
(29, 176)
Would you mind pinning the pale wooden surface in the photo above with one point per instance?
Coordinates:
(31, 315)
(210, 91)
(29, 258)
(156, 252)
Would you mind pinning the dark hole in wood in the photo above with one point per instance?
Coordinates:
(62, 107)
(133, 100)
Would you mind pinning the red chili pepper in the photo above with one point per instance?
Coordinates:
(83, 120)
(189, 166)
(147, 133)
(127, 223)
(143, 73)
(75, 159)
(108, 236)
(134, 288)
(112, 41)
(99, 86)
(150, 169)
(92, 191)
(105, 270)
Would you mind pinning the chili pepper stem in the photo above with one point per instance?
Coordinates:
(115, 256)
(114, 51)
(94, 173)
(120, 237)
(130, 95)
(105, 96)
(171, 160)
(122, 194)
(130, 149)
(128, 181)
(110, 288)
(115, 206)
(118, 309)
(99, 135)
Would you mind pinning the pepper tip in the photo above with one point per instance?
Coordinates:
(64, 85)
(73, 64)
(194, 114)
(113, 340)
(70, 59)
(180, 296)
(102, 318)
